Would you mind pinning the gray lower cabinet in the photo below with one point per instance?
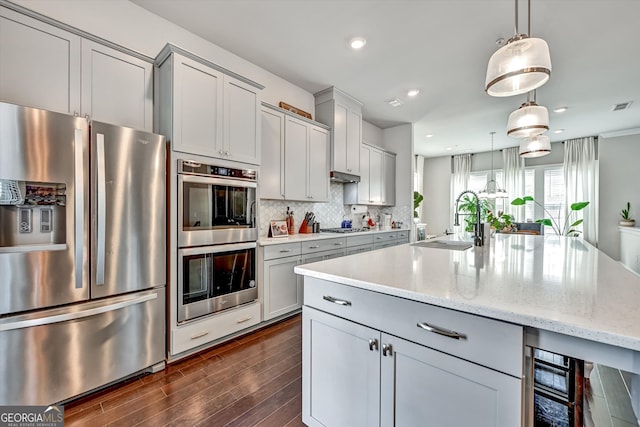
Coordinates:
(282, 288)
(355, 375)
(390, 238)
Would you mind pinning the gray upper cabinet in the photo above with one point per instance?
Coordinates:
(116, 88)
(206, 111)
(343, 114)
(39, 64)
(295, 157)
(377, 184)
(50, 68)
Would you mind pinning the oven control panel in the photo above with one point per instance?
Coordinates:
(198, 168)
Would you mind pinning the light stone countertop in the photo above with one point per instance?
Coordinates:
(303, 237)
(552, 283)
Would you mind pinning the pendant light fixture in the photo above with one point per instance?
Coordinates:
(530, 119)
(535, 146)
(521, 65)
(492, 190)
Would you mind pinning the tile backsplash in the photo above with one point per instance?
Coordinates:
(329, 214)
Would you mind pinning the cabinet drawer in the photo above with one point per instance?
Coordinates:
(359, 249)
(403, 236)
(400, 317)
(217, 326)
(283, 250)
(323, 245)
(385, 237)
(359, 240)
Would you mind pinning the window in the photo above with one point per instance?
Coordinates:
(546, 185)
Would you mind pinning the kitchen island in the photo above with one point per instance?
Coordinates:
(449, 331)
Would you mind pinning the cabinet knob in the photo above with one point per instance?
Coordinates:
(387, 350)
(226, 153)
(373, 344)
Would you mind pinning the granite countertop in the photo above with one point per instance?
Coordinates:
(559, 284)
(300, 237)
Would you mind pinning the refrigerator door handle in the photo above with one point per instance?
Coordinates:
(101, 210)
(79, 205)
(65, 317)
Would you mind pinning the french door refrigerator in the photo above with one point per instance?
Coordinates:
(82, 254)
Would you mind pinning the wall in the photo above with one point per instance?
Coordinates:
(618, 185)
(128, 25)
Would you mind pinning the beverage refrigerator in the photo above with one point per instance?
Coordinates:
(82, 254)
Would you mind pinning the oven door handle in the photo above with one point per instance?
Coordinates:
(217, 249)
(216, 181)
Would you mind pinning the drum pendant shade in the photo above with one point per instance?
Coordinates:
(518, 67)
(530, 119)
(536, 146)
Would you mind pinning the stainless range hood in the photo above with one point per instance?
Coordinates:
(343, 177)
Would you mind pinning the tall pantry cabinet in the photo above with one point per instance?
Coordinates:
(44, 66)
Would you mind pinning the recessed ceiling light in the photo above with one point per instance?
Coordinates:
(429, 135)
(395, 102)
(413, 92)
(560, 109)
(357, 43)
(449, 148)
(558, 131)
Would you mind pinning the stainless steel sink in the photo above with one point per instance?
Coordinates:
(453, 245)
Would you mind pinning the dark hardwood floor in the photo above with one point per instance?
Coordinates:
(254, 380)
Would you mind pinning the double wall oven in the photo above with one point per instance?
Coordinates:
(217, 236)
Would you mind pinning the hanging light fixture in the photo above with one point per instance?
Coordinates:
(535, 146)
(492, 190)
(521, 65)
(530, 119)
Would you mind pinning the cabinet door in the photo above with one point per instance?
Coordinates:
(241, 122)
(296, 134)
(340, 137)
(389, 179)
(375, 177)
(421, 386)
(116, 88)
(363, 185)
(354, 141)
(341, 373)
(39, 64)
(197, 107)
(282, 287)
(318, 165)
(272, 167)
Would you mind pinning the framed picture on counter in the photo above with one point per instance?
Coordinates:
(278, 229)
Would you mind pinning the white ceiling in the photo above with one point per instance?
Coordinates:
(440, 47)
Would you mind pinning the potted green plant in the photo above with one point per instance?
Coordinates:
(467, 207)
(417, 199)
(568, 229)
(502, 223)
(626, 220)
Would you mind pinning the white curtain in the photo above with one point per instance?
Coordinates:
(513, 166)
(461, 169)
(581, 182)
(418, 183)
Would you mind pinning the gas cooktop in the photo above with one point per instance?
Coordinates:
(342, 230)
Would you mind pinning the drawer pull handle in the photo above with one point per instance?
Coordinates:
(441, 331)
(200, 335)
(246, 319)
(314, 247)
(336, 301)
(338, 243)
(387, 350)
(285, 250)
(373, 344)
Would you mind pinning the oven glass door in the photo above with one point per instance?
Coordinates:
(210, 204)
(215, 278)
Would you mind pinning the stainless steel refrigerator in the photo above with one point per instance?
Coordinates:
(82, 254)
